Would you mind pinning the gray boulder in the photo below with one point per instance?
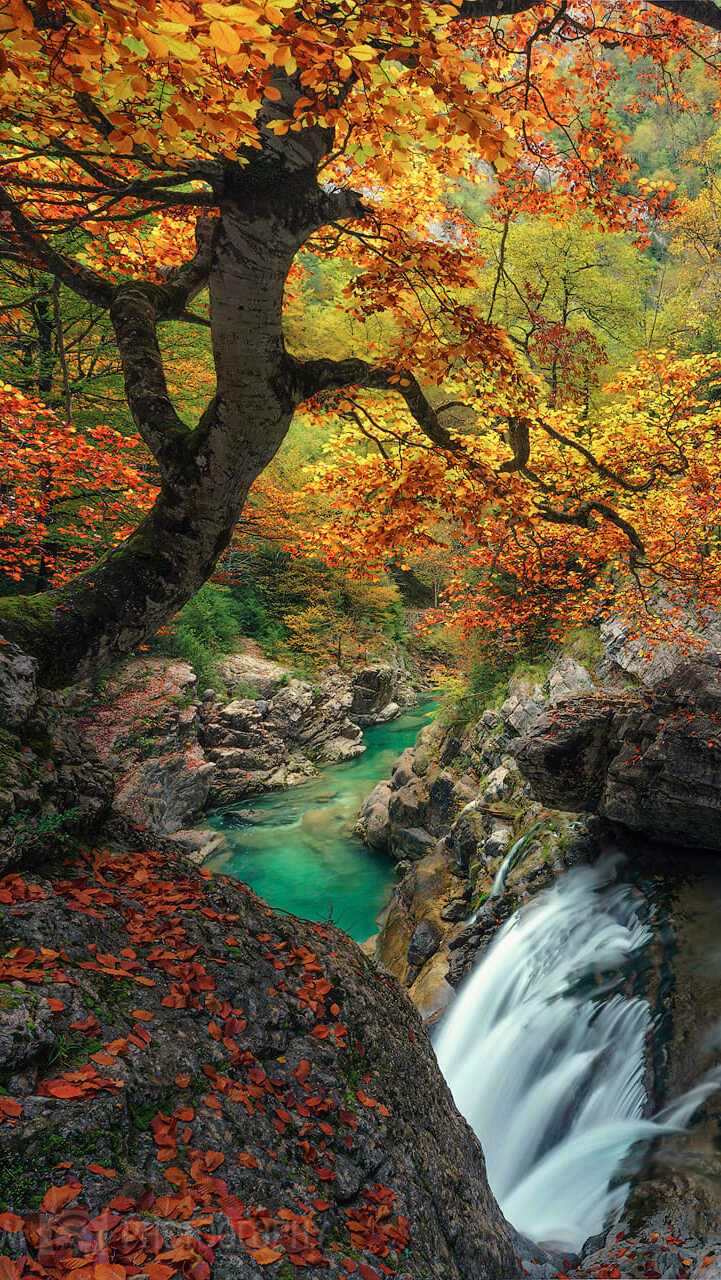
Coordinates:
(18, 693)
(412, 843)
(568, 679)
(372, 693)
(165, 792)
(423, 944)
(373, 823)
(650, 762)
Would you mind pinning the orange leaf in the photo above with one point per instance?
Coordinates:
(247, 1160)
(57, 1197)
(265, 1255)
(11, 1268)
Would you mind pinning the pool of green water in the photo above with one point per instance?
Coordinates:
(296, 848)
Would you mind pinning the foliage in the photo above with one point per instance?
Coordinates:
(138, 144)
(654, 441)
(67, 496)
(208, 625)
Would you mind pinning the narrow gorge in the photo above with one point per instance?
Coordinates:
(565, 963)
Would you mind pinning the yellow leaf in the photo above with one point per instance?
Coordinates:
(362, 53)
(224, 37)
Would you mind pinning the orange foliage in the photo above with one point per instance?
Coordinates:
(644, 476)
(123, 122)
(67, 494)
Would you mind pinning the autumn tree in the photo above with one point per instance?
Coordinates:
(521, 565)
(150, 152)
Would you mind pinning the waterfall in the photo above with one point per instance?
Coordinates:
(544, 1054)
(514, 855)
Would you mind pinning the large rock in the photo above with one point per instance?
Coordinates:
(373, 691)
(18, 693)
(249, 673)
(265, 1101)
(568, 679)
(165, 793)
(52, 788)
(412, 843)
(373, 823)
(629, 649)
(275, 741)
(651, 762)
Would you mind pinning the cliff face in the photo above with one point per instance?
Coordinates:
(648, 761)
(192, 1085)
(454, 807)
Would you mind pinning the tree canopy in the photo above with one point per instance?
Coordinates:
(170, 163)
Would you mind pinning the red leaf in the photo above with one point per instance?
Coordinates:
(57, 1197)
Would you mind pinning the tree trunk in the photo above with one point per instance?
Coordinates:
(109, 610)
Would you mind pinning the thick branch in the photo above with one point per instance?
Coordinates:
(582, 516)
(519, 438)
(135, 318)
(311, 377)
(704, 12)
(188, 280)
(494, 8)
(88, 284)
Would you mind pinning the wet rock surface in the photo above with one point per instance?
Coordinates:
(649, 762)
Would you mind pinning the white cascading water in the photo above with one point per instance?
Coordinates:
(545, 1058)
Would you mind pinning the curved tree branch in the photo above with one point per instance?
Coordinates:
(703, 12)
(310, 377)
(81, 279)
(582, 517)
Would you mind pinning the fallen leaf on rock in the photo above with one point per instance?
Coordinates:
(265, 1256)
(57, 1197)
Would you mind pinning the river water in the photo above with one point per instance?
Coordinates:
(296, 848)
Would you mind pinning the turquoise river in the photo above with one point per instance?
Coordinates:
(296, 848)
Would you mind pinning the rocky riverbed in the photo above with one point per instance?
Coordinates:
(176, 750)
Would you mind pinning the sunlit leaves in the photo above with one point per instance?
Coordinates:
(68, 494)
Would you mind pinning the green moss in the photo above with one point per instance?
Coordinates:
(70, 1051)
(24, 1178)
(584, 644)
